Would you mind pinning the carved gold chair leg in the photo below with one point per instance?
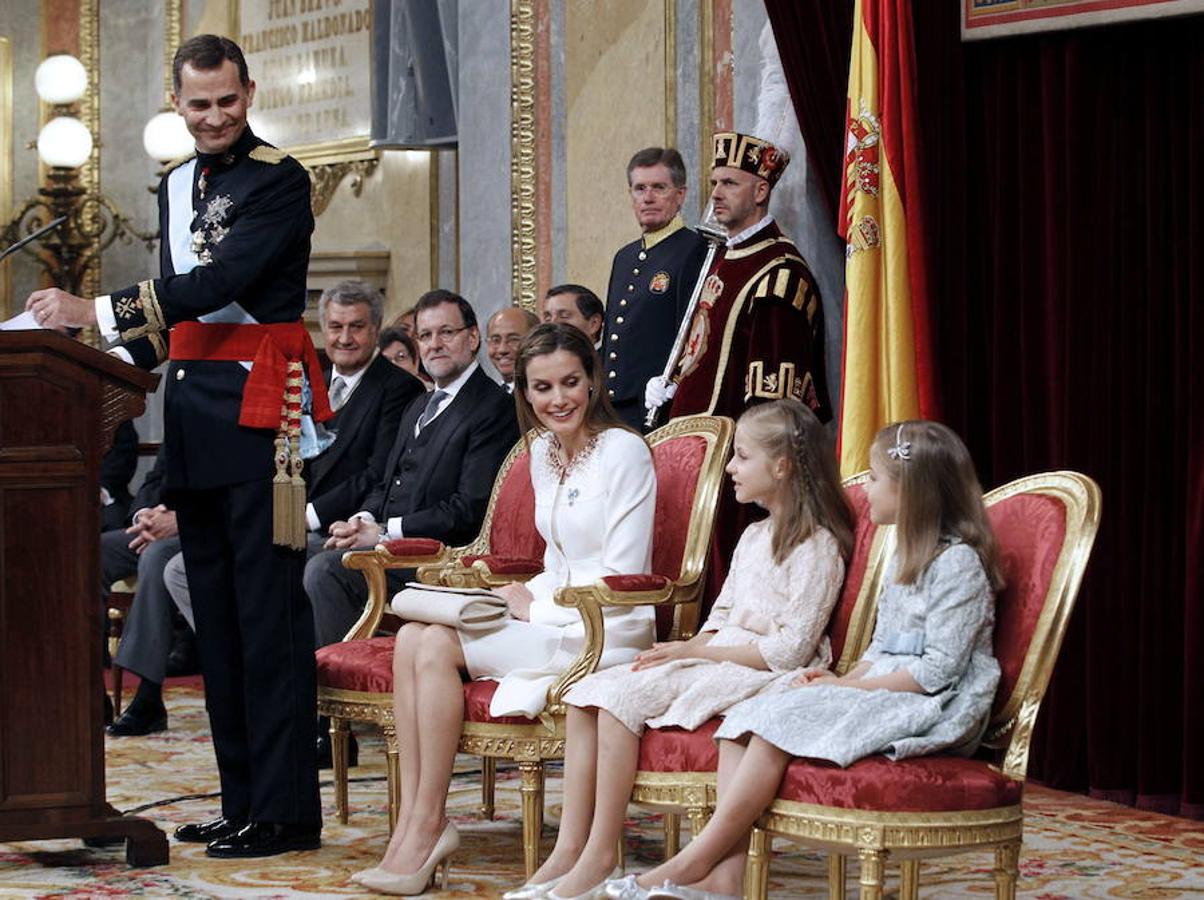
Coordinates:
(393, 770)
(699, 816)
(338, 764)
(672, 824)
(909, 879)
(488, 786)
(531, 790)
(756, 867)
(838, 871)
(872, 863)
(1007, 866)
(622, 853)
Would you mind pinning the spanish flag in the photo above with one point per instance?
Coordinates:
(888, 370)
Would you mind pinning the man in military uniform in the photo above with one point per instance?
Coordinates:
(757, 333)
(651, 280)
(236, 225)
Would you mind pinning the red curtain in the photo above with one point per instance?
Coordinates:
(1067, 265)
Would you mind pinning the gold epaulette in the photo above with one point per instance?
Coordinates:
(788, 285)
(176, 163)
(265, 153)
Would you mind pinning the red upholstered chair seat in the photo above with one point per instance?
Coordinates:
(365, 666)
(678, 750)
(414, 546)
(477, 697)
(923, 784)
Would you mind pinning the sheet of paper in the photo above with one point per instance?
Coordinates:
(25, 321)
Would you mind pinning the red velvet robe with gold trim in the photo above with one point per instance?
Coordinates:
(757, 333)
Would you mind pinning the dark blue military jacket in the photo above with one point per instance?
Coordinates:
(650, 285)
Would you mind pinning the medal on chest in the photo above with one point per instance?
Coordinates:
(211, 226)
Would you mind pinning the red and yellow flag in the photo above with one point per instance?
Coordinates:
(888, 369)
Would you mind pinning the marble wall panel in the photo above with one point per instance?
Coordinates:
(484, 155)
(614, 89)
(393, 212)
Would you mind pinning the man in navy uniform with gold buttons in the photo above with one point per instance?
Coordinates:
(236, 224)
(651, 281)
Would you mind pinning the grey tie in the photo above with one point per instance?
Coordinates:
(338, 392)
(432, 407)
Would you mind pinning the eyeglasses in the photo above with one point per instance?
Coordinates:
(510, 340)
(445, 334)
(656, 190)
(399, 356)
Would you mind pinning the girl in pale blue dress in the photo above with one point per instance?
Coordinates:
(925, 684)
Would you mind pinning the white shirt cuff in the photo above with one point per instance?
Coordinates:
(106, 322)
(312, 522)
(122, 354)
(393, 530)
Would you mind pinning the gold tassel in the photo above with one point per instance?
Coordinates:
(288, 487)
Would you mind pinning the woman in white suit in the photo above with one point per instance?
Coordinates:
(595, 496)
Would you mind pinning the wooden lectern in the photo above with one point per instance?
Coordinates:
(59, 403)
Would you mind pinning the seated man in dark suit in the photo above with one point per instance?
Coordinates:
(439, 473)
(367, 394)
(144, 548)
(116, 469)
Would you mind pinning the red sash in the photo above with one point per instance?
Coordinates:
(270, 348)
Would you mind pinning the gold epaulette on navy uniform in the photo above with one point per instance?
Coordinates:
(176, 163)
(268, 154)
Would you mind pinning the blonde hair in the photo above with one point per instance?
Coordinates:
(939, 495)
(813, 497)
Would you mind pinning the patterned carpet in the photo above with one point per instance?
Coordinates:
(1074, 847)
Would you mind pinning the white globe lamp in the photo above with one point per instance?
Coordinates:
(64, 142)
(60, 79)
(165, 137)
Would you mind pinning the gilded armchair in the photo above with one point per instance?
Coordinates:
(676, 769)
(355, 677)
(939, 805)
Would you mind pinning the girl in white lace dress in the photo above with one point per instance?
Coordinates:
(766, 625)
(925, 684)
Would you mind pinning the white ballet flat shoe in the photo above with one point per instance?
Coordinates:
(625, 888)
(532, 890)
(595, 891)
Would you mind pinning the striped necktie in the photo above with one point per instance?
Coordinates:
(432, 407)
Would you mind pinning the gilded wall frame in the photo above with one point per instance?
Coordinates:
(6, 162)
(344, 149)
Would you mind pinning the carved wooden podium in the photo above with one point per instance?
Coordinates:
(59, 403)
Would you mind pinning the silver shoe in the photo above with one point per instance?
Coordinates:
(532, 890)
(625, 888)
(681, 892)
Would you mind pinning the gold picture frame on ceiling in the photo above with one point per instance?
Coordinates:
(279, 45)
(6, 162)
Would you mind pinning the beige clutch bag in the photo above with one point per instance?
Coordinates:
(467, 609)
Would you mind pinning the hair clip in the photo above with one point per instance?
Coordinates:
(902, 448)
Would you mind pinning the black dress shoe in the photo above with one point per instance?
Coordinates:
(266, 839)
(326, 751)
(138, 719)
(206, 832)
(183, 659)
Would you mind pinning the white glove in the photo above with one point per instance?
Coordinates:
(658, 392)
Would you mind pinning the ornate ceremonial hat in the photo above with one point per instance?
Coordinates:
(743, 151)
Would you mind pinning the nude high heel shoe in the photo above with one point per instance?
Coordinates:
(410, 883)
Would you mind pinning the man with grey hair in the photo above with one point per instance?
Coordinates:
(651, 281)
(367, 395)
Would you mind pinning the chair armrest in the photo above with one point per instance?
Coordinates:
(480, 571)
(617, 591)
(373, 563)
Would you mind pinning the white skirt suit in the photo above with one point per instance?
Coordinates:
(597, 520)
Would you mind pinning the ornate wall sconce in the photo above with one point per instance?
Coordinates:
(92, 221)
